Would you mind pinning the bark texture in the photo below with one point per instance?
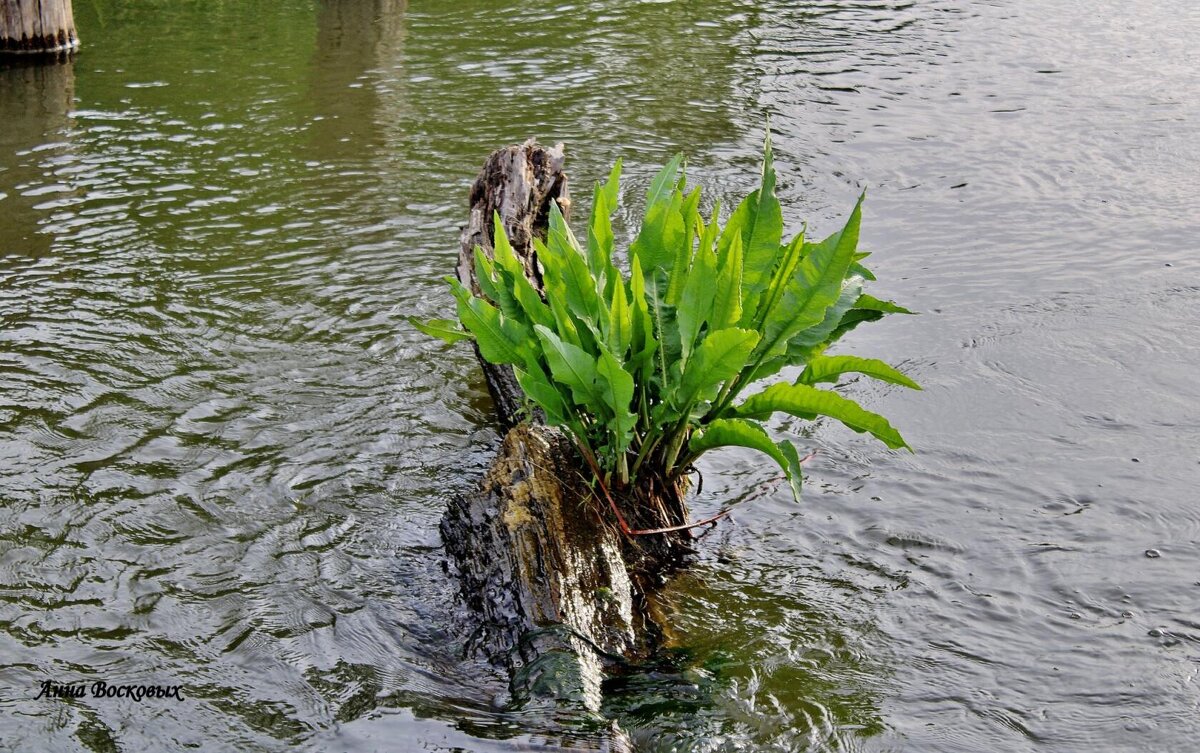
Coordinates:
(517, 182)
(563, 596)
(545, 572)
(535, 557)
(37, 26)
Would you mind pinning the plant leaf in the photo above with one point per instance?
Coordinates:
(696, 301)
(661, 236)
(573, 367)
(721, 356)
(682, 266)
(781, 278)
(796, 475)
(643, 343)
(619, 327)
(874, 304)
(443, 329)
(816, 286)
(663, 316)
(727, 298)
(736, 432)
(485, 274)
(758, 219)
(502, 250)
(543, 393)
(850, 320)
(496, 285)
(510, 273)
(663, 183)
(616, 387)
(600, 235)
(813, 341)
(500, 340)
(818, 336)
(567, 273)
(612, 187)
(829, 368)
(804, 401)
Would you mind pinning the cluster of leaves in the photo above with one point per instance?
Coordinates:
(647, 370)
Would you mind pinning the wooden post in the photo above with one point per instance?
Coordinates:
(37, 26)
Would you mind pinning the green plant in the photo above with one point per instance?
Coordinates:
(647, 370)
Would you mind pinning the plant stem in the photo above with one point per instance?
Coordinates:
(648, 446)
(575, 424)
(718, 404)
(677, 433)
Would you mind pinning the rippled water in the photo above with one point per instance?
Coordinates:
(223, 454)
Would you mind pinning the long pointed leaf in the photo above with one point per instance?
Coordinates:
(573, 367)
(665, 330)
(782, 276)
(600, 235)
(445, 330)
(696, 301)
(644, 343)
(619, 327)
(816, 286)
(568, 270)
(758, 219)
(805, 401)
(612, 187)
(661, 236)
(727, 298)
(874, 304)
(829, 368)
(735, 432)
(500, 340)
(664, 182)
(682, 265)
(543, 393)
(721, 356)
(615, 385)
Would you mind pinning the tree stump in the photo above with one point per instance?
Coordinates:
(538, 556)
(37, 26)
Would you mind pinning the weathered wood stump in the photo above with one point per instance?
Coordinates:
(37, 26)
(518, 183)
(563, 595)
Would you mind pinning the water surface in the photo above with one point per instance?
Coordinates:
(224, 454)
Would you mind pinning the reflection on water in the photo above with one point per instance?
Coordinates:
(223, 454)
(37, 104)
(359, 45)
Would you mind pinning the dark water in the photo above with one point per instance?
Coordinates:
(223, 454)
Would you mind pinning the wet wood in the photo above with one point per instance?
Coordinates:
(544, 571)
(37, 26)
(535, 560)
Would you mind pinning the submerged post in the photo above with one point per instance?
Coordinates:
(37, 26)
